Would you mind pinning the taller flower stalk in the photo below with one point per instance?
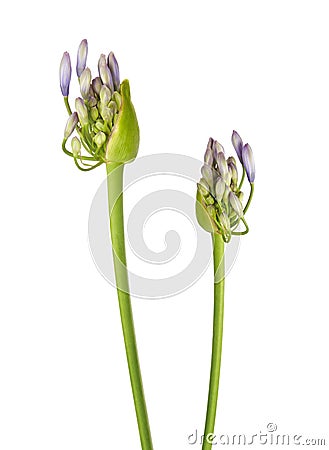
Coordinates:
(220, 211)
(106, 128)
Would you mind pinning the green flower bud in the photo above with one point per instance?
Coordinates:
(107, 114)
(82, 111)
(123, 143)
(105, 95)
(235, 204)
(100, 126)
(100, 139)
(76, 147)
(85, 80)
(94, 113)
(71, 123)
(225, 226)
(117, 98)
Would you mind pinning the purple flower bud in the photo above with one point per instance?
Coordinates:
(210, 143)
(209, 157)
(248, 162)
(97, 85)
(82, 111)
(114, 68)
(82, 56)
(71, 123)
(105, 73)
(236, 204)
(217, 148)
(85, 80)
(233, 170)
(237, 144)
(65, 71)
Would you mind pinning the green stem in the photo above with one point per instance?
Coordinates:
(252, 187)
(115, 199)
(219, 280)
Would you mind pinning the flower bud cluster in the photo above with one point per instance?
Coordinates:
(97, 110)
(219, 190)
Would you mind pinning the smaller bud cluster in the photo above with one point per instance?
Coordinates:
(96, 111)
(219, 188)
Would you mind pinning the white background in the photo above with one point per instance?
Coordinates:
(196, 69)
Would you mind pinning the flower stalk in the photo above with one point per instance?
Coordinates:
(220, 211)
(217, 339)
(107, 131)
(115, 201)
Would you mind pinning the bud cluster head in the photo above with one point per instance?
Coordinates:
(219, 193)
(105, 119)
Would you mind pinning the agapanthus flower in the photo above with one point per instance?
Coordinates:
(219, 196)
(107, 126)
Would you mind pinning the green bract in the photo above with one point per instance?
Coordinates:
(123, 142)
(202, 214)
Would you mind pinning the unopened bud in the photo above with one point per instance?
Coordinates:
(114, 68)
(236, 204)
(85, 80)
(71, 123)
(218, 148)
(220, 189)
(209, 157)
(248, 162)
(224, 221)
(208, 174)
(237, 144)
(233, 170)
(105, 73)
(94, 113)
(97, 85)
(82, 56)
(107, 114)
(65, 71)
(105, 95)
(117, 98)
(100, 139)
(100, 126)
(82, 111)
(222, 165)
(76, 147)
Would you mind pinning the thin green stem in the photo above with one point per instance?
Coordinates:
(242, 178)
(252, 187)
(219, 281)
(115, 199)
(67, 105)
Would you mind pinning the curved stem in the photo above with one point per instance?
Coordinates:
(242, 178)
(67, 105)
(219, 280)
(115, 200)
(252, 187)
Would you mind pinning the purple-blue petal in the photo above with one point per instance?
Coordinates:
(65, 71)
(248, 162)
(82, 56)
(114, 68)
(237, 144)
